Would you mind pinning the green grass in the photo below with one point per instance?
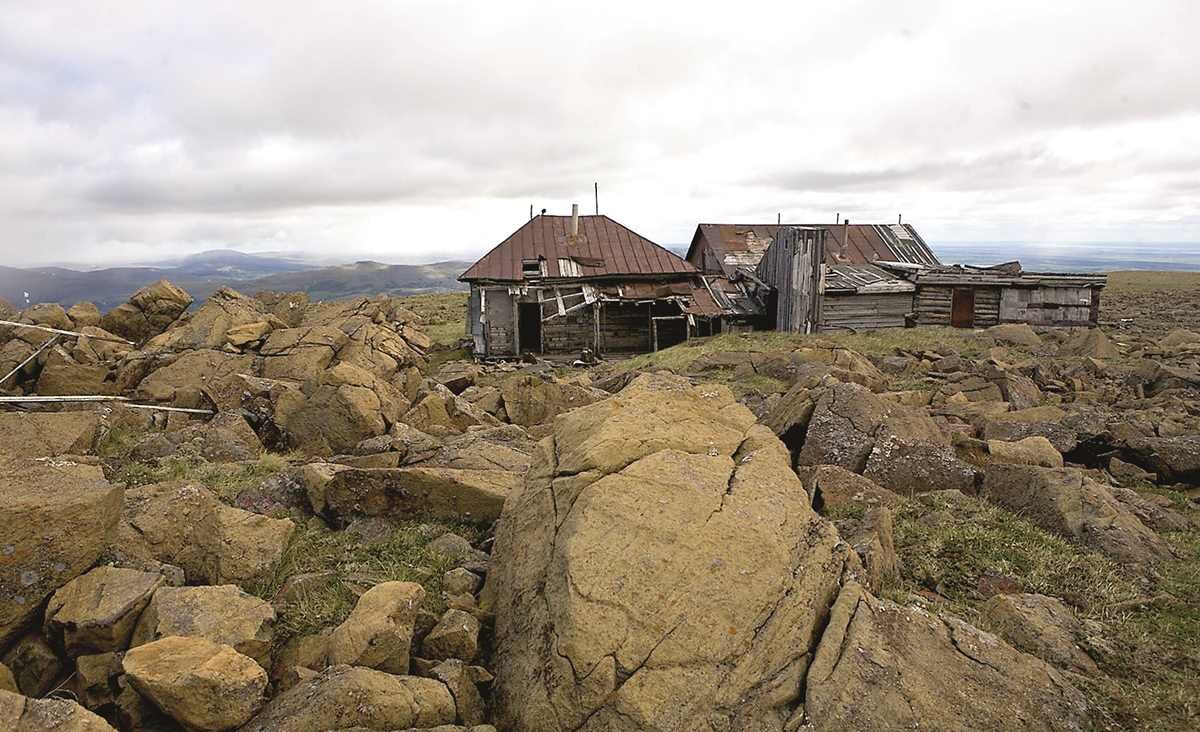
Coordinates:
(118, 440)
(1151, 679)
(444, 315)
(401, 555)
(226, 480)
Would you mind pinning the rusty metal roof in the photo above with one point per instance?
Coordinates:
(742, 245)
(603, 249)
(864, 279)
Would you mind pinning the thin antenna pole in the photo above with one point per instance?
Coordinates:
(531, 211)
(837, 218)
(899, 218)
(596, 188)
(779, 218)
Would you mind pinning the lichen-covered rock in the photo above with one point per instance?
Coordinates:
(36, 666)
(531, 400)
(831, 488)
(456, 635)
(378, 632)
(1036, 450)
(21, 714)
(213, 374)
(208, 327)
(704, 615)
(344, 697)
(201, 684)
(96, 612)
(83, 314)
(150, 311)
(47, 434)
(219, 613)
(910, 468)
(300, 353)
(341, 493)
(1042, 626)
(337, 409)
(1068, 503)
(883, 666)
(59, 518)
(184, 524)
(441, 413)
(62, 375)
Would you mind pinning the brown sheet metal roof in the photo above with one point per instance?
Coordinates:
(740, 245)
(604, 249)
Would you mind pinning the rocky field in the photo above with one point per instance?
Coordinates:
(357, 529)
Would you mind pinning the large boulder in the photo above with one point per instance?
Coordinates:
(1042, 626)
(150, 311)
(1172, 458)
(341, 493)
(706, 612)
(22, 714)
(62, 375)
(1035, 450)
(833, 488)
(337, 409)
(47, 434)
(300, 353)
(184, 524)
(531, 400)
(201, 684)
(1014, 334)
(209, 326)
(213, 374)
(848, 420)
(441, 413)
(378, 632)
(83, 314)
(96, 346)
(884, 666)
(344, 697)
(1067, 502)
(96, 612)
(1090, 343)
(219, 613)
(908, 468)
(59, 518)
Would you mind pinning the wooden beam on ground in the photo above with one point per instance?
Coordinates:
(73, 334)
(92, 398)
(32, 356)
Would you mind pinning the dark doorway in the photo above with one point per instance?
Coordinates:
(529, 324)
(962, 308)
(669, 331)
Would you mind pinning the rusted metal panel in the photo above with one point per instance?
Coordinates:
(603, 249)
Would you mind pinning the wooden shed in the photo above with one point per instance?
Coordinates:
(562, 285)
(976, 297)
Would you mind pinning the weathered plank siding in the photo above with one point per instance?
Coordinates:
(1050, 305)
(860, 312)
(792, 267)
(933, 302)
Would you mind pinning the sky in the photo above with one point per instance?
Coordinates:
(423, 131)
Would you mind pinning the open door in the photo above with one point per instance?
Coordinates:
(529, 327)
(962, 308)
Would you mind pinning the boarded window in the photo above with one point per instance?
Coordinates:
(567, 267)
(533, 267)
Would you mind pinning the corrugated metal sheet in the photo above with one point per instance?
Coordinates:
(742, 245)
(604, 248)
(863, 278)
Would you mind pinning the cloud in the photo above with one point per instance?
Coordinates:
(421, 129)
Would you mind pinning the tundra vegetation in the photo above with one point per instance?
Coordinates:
(361, 529)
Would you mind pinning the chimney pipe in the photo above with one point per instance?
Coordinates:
(899, 218)
(837, 218)
(846, 234)
(574, 219)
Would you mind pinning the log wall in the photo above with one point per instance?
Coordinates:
(1050, 305)
(570, 333)
(932, 305)
(624, 327)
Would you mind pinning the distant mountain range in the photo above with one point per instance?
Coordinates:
(201, 274)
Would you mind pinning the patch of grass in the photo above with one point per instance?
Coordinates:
(1136, 282)
(949, 555)
(118, 440)
(1151, 676)
(444, 315)
(226, 480)
(401, 554)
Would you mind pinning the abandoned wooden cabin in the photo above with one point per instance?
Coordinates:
(562, 285)
(970, 297)
(854, 276)
(818, 277)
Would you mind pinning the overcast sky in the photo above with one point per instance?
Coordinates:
(405, 131)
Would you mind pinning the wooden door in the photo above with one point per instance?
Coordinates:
(962, 308)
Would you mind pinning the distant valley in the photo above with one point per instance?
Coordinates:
(203, 273)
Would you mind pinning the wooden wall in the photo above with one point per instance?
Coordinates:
(500, 323)
(570, 333)
(932, 305)
(1050, 305)
(792, 267)
(624, 327)
(859, 312)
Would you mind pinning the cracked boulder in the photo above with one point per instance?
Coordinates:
(704, 615)
(59, 517)
(150, 311)
(96, 612)
(197, 377)
(530, 400)
(1042, 626)
(186, 525)
(219, 613)
(341, 493)
(884, 666)
(300, 353)
(209, 326)
(1068, 503)
(440, 413)
(47, 434)
(848, 421)
(337, 409)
